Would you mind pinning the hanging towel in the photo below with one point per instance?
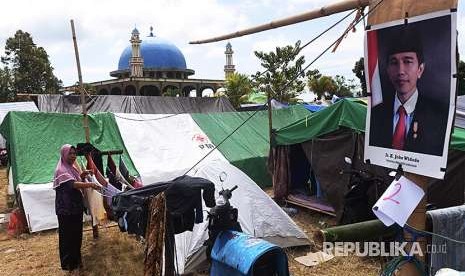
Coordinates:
(95, 203)
(98, 178)
(448, 222)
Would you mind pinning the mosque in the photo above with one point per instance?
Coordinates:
(153, 66)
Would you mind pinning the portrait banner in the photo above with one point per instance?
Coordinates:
(410, 67)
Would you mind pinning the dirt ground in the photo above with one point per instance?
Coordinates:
(116, 253)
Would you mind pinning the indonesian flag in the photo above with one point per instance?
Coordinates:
(371, 62)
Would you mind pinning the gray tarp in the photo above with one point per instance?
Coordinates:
(460, 114)
(133, 104)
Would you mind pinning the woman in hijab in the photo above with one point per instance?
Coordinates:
(69, 207)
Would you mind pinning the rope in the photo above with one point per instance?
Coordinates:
(394, 264)
(143, 120)
(412, 229)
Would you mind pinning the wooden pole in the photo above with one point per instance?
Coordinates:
(270, 117)
(316, 13)
(81, 85)
(417, 220)
(83, 103)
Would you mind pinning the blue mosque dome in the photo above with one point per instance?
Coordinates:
(157, 53)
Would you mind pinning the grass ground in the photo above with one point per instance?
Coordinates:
(116, 253)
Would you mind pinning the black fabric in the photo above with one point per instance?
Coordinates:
(96, 154)
(112, 179)
(327, 153)
(70, 240)
(68, 200)
(123, 169)
(183, 201)
(134, 104)
(450, 191)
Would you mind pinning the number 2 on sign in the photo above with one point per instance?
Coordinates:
(391, 197)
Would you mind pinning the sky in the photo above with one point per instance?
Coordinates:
(103, 30)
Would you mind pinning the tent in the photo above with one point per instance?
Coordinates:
(14, 106)
(248, 147)
(34, 140)
(321, 142)
(133, 104)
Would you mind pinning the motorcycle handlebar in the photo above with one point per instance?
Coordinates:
(233, 188)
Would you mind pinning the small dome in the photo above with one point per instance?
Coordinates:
(157, 54)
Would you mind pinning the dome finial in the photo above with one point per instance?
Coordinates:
(151, 31)
(135, 31)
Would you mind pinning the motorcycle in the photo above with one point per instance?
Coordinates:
(363, 191)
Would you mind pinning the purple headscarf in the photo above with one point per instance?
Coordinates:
(64, 171)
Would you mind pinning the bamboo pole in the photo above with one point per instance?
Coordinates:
(360, 231)
(417, 220)
(81, 85)
(83, 103)
(313, 14)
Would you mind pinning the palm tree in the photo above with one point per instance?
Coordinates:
(237, 85)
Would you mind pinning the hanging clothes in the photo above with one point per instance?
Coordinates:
(155, 236)
(111, 173)
(109, 192)
(132, 180)
(94, 203)
(98, 178)
(184, 201)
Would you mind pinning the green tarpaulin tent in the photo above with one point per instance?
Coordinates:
(35, 139)
(248, 147)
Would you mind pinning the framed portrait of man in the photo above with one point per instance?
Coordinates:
(410, 66)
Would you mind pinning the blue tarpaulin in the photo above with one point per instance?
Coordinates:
(238, 254)
(314, 107)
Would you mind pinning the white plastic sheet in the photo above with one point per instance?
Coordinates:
(39, 206)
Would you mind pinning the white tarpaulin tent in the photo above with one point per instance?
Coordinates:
(162, 146)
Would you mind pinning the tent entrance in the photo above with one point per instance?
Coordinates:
(305, 190)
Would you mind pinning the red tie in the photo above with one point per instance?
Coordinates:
(399, 134)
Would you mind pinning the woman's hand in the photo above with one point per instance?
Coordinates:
(85, 173)
(95, 186)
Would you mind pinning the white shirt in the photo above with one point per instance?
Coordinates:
(409, 106)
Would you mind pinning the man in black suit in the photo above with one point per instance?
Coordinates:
(410, 121)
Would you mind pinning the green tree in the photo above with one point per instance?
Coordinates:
(282, 65)
(237, 85)
(327, 86)
(171, 92)
(29, 64)
(6, 86)
(323, 87)
(461, 78)
(344, 87)
(359, 71)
